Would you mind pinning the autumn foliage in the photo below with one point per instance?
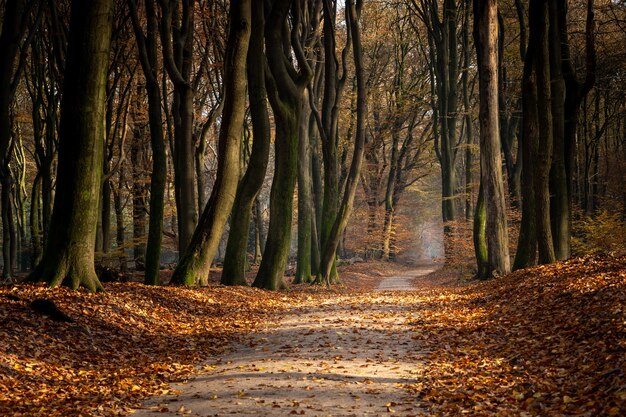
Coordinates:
(546, 341)
(124, 344)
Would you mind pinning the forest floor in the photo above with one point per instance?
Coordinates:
(550, 340)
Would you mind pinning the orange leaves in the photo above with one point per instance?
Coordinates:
(124, 345)
(550, 340)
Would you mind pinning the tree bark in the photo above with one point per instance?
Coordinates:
(486, 41)
(69, 253)
(177, 32)
(479, 236)
(285, 98)
(305, 203)
(526, 254)
(194, 266)
(236, 250)
(543, 156)
(147, 45)
(353, 12)
(559, 202)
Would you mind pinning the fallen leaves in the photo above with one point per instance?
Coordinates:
(547, 341)
(124, 344)
(550, 340)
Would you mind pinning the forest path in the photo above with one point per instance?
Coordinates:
(349, 355)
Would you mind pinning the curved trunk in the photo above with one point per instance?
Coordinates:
(330, 246)
(270, 275)
(194, 266)
(286, 88)
(252, 181)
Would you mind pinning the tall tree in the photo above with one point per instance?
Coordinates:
(177, 39)
(17, 32)
(68, 257)
(195, 264)
(443, 45)
(486, 41)
(285, 95)
(539, 22)
(252, 181)
(147, 45)
(329, 247)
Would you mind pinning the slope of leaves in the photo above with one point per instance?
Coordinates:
(124, 344)
(550, 340)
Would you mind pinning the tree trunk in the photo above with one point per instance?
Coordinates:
(259, 240)
(69, 254)
(35, 224)
(139, 198)
(235, 259)
(526, 254)
(147, 45)
(559, 203)
(194, 266)
(285, 98)
(305, 203)
(469, 127)
(120, 238)
(486, 41)
(389, 203)
(353, 12)
(177, 46)
(479, 236)
(543, 156)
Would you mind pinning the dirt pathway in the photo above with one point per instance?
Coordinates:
(349, 356)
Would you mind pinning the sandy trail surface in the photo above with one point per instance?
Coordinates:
(350, 355)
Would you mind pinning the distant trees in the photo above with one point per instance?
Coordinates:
(361, 102)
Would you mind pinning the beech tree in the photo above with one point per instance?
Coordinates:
(18, 30)
(285, 95)
(252, 181)
(147, 46)
(194, 266)
(486, 41)
(68, 257)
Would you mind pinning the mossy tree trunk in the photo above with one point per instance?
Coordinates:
(195, 264)
(305, 202)
(236, 250)
(285, 94)
(68, 257)
(486, 41)
(479, 238)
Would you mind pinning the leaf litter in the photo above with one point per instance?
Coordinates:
(549, 340)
